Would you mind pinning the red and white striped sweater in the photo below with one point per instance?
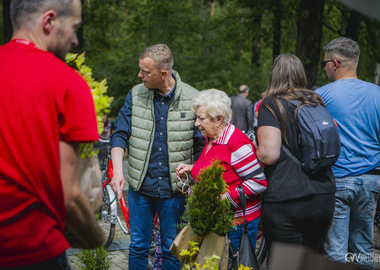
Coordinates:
(241, 167)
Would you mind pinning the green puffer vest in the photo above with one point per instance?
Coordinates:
(180, 131)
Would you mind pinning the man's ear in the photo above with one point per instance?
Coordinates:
(336, 63)
(164, 74)
(49, 20)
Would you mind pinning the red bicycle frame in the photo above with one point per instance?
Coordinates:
(123, 206)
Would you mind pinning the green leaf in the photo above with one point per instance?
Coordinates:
(71, 57)
(80, 60)
(102, 102)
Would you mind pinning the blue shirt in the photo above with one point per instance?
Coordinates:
(157, 181)
(355, 106)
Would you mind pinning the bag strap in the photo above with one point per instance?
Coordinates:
(245, 226)
(242, 199)
(286, 150)
(289, 154)
(242, 203)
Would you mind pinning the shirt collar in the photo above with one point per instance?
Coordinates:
(226, 135)
(168, 96)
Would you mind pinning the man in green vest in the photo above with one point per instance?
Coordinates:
(156, 126)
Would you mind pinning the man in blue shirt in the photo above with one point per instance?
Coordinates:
(156, 127)
(355, 106)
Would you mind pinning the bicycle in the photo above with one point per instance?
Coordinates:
(108, 213)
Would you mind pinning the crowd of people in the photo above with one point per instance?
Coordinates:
(167, 128)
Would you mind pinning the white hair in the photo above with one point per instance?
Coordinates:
(216, 102)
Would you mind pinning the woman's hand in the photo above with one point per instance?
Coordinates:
(183, 168)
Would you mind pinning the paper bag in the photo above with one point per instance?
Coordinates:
(182, 242)
(91, 186)
(90, 181)
(213, 244)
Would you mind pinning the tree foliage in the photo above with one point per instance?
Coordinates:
(219, 43)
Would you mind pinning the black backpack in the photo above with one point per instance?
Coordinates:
(319, 138)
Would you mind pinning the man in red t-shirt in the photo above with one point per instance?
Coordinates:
(46, 109)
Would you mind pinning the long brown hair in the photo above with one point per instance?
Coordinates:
(288, 81)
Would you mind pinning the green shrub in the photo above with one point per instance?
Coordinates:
(102, 101)
(94, 259)
(205, 211)
(211, 263)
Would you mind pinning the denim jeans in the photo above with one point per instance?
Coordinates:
(142, 210)
(235, 235)
(352, 227)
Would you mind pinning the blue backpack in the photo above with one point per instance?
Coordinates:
(319, 138)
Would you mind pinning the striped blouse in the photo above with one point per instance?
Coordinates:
(241, 167)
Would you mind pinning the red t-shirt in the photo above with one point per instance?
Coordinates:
(42, 101)
(237, 156)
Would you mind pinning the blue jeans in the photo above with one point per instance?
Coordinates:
(142, 210)
(235, 235)
(352, 227)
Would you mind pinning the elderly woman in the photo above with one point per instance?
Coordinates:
(297, 207)
(236, 153)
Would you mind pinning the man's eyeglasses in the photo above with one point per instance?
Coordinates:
(323, 63)
(184, 184)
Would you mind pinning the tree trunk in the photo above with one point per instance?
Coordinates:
(7, 21)
(256, 44)
(377, 74)
(309, 34)
(203, 16)
(276, 29)
(79, 48)
(353, 25)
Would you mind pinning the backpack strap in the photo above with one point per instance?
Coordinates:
(287, 152)
(295, 103)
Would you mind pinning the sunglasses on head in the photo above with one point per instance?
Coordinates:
(323, 63)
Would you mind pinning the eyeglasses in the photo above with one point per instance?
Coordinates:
(184, 184)
(323, 63)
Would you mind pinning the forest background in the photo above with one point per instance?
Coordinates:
(216, 43)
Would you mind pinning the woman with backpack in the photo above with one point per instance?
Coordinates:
(298, 206)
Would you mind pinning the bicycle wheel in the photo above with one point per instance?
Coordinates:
(261, 247)
(108, 215)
